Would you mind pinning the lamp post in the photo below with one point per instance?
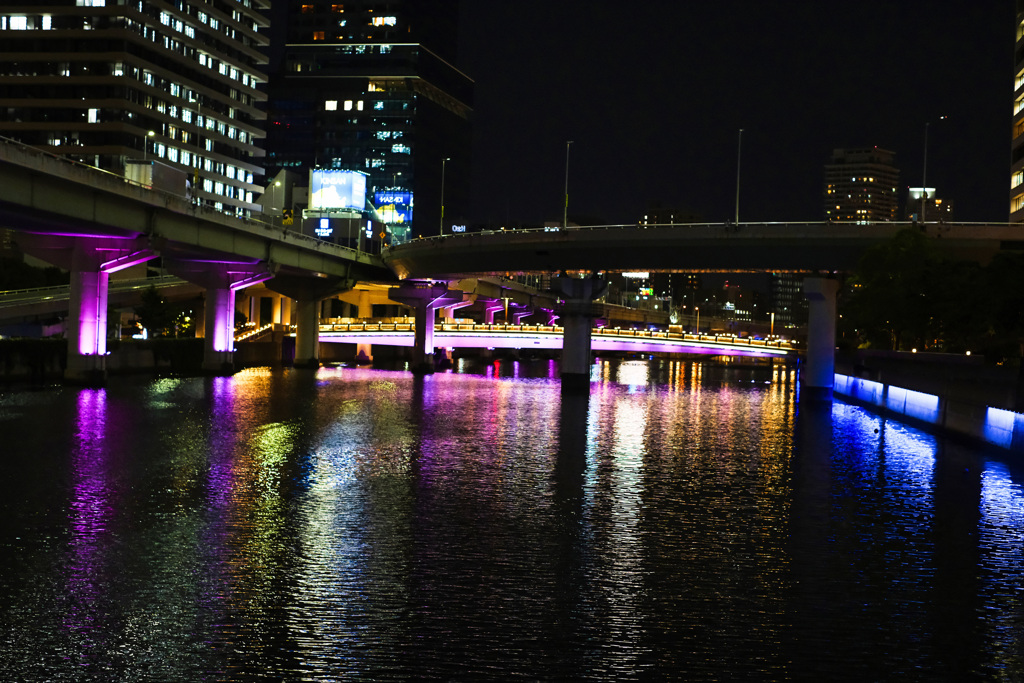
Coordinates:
(697, 309)
(444, 161)
(145, 145)
(739, 149)
(565, 209)
(924, 171)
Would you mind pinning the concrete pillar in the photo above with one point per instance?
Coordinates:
(490, 308)
(364, 352)
(254, 310)
(90, 260)
(577, 320)
(220, 279)
(286, 310)
(817, 375)
(307, 333)
(219, 318)
(87, 328)
(424, 298)
(275, 310)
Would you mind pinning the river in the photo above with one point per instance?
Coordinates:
(688, 520)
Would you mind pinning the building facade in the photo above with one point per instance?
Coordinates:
(1017, 143)
(371, 86)
(860, 186)
(108, 82)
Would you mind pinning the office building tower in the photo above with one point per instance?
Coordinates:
(1017, 143)
(371, 86)
(111, 82)
(860, 186)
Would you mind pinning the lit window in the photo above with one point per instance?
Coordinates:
(318, 35)
(18, 23)
(307, 9)
(331, 105)
(337, 8)
(348, 105)
(94, 115)
(383, 21)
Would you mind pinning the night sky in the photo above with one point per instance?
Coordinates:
(653, 95)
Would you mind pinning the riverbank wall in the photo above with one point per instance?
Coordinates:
(960, 396)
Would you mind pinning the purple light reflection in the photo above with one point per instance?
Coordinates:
(90, 512)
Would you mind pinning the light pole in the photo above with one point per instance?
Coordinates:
(565, 209)
(145, 145)
(924, 171)
(739, 149)
(444, 161)
(697, 309)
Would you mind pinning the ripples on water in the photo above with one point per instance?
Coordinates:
(687, 521)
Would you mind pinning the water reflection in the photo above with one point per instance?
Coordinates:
(682, 521)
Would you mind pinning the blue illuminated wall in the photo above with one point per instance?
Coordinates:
(987, 424)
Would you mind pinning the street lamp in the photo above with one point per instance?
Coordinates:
(739, 149)
(394, 180)
(145, 144)
(565, 210)
(444, 161)
(924, 171)
(697, 309)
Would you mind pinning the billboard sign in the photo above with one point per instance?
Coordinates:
(336, 189)
(394, 207)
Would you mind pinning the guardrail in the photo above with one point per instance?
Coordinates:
(555, 330)
(657, 226)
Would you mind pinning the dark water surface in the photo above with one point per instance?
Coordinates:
(688, 521)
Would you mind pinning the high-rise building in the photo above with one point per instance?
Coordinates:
(371, 86)
(860, 185)
(106, 82)
(1017, 144)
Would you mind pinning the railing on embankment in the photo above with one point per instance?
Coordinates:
(958, 395)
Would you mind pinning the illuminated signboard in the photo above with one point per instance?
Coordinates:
(337, 190)
(394, 207)
(324, 229)
(637, 276)
(458, 228)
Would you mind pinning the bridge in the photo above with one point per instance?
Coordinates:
(504, 336)
(93, 223)
(818, 250)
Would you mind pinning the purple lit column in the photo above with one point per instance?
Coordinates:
(219, 351)
(818, 374)
(92, 261)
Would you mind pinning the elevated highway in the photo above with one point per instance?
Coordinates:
(745, 247)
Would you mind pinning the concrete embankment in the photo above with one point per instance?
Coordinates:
(958, 395)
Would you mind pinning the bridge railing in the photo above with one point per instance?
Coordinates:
(555, 330)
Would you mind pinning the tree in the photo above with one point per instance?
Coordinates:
(155, 314)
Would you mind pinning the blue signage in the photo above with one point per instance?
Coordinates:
(395, 208)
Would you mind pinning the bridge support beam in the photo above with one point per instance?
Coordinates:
(817, 377)
(221, 280)
(577, 319)
(90, 260)
(307, 333)
(424, 298)
(364, 352)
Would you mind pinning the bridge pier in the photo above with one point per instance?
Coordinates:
(424, 298)
(90, 261)
(817, 377)
(577, 320)
(220, 280)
